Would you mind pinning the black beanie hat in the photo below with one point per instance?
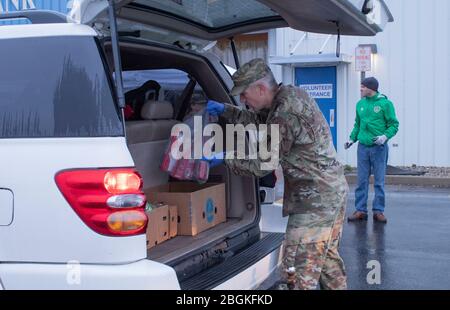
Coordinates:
(370, 83)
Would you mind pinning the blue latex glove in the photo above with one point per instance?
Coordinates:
(214, 160)
(215, 108)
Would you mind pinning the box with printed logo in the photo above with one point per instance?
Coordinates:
(200, 206)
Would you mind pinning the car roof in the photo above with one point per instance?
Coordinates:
(45, 30)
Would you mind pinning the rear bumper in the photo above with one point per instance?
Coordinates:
(245, 270)
(141, 275)
(252, 278)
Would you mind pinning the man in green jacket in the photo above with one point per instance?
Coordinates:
(375, 125)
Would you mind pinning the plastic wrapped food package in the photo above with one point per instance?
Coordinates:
(185, 168)
(202, 171)
(169, 163)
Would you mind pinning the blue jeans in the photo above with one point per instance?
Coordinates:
(371, 159)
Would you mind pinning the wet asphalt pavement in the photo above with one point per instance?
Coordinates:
(413, 248)
(412, 251)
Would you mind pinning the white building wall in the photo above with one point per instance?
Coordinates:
(413, 68)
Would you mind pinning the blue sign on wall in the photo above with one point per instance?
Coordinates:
(320, 84)
(19, 5)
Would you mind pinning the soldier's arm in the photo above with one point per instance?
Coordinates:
(237, 115)
(286, 131)
(247, 167)
(257, 165)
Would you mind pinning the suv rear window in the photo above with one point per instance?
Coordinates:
(55, 87)
(212, 13)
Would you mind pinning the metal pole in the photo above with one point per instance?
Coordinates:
(325, 44)
(298, 43)
(363, 75)
(338, 42)
(116, 54)
(235, 54)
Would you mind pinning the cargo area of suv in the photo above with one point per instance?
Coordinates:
(161, 83)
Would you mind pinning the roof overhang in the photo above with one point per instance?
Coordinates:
(318, 60)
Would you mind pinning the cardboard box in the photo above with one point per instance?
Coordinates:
(158, 226)
(173, 221)
(200, 206)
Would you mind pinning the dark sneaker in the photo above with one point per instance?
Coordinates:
(357, 216)
(379, 217)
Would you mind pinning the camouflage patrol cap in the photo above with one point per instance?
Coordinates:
(249, 73)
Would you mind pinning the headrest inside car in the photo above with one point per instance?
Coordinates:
(157, 110)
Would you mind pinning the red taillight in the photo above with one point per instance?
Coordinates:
(109, 201)
(122, 182)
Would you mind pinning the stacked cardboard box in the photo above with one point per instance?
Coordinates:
(200, 207)
(162, 224)
(173, 221)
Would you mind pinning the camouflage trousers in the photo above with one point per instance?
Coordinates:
(313, 252)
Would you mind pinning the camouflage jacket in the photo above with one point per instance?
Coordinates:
(313, 178)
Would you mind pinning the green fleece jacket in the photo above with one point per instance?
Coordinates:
(375, 116)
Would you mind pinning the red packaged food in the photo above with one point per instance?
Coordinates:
(165, 164)
(202, 171)
(178, 171)
(168, 163)
(189, 169)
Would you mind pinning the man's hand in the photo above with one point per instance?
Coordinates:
(215, 159)
(215, 108)
(348, 144)
(380, 140)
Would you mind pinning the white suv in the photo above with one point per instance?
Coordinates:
(71, 214)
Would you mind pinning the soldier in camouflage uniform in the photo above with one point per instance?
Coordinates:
(315, 187)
